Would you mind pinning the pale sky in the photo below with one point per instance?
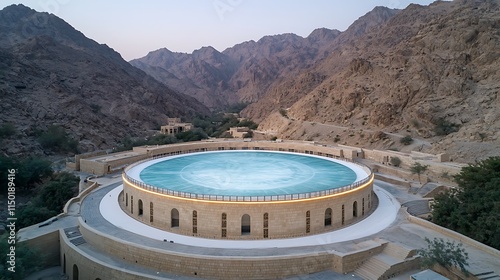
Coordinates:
(134, 28)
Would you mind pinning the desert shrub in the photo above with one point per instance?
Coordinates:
(56, 139)
(444, 127)
(7, 130)
(415, 123)
(395, 161)
(407, 140)
(248, 134)
(95, 108)
(284, 113)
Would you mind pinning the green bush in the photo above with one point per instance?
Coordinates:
(407, 140)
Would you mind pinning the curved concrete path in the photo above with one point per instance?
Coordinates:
(381, 218)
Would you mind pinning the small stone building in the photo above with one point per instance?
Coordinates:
(175, 126)
(238, 132)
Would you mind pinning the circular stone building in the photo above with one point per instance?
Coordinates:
(246, 191)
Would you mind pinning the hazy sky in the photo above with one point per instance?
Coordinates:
(133, 28)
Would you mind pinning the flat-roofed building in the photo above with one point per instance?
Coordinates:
(175, 126)
(238, 132)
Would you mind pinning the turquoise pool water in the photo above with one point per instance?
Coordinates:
(247, 173)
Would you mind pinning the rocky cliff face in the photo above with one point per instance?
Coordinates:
(240, 74)
(424, 69)
(52, 74)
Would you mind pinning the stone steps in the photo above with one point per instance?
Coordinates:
(378, 265)
(399, 252)
(372, 269)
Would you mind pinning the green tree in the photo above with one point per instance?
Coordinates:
(444, 253)
(50, 199)
(472, 208)
(29, 172)
(33, 213)
(60, 189)
(418, 169)
(28, 260)
(195, 134)
(248, 123)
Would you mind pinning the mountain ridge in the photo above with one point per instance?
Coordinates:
(238, 74)
(427, 69)
(52, 74)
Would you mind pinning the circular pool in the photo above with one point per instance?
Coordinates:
(246, 173)
(246, 192)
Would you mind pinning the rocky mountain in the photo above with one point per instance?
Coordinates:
(51, 73)
(240, 74)
(431, 72)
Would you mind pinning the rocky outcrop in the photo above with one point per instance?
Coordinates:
(52, 74)
(425, 67)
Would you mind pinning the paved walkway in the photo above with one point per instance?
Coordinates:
(382, 217)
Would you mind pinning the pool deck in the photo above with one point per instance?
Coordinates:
(381, 218)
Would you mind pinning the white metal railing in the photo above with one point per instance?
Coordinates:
(210, 197)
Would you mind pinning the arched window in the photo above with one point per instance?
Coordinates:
(126, 199)
(141, 211)
(266, 225)
(151, 212)
(224, 225)
(245, 224)
(195, 222)
(308, 221)
(328, 217)
(355, 209)
(174, 220)
(75, 272)
(343, 214)
(131, 204)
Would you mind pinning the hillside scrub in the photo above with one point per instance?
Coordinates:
(49, 200)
